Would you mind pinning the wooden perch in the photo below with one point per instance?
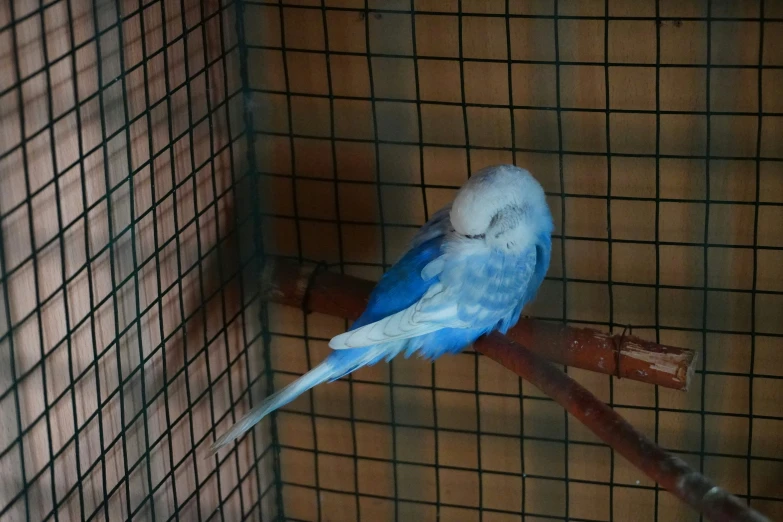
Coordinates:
(289, 283)
(629, 357)
(666, 469)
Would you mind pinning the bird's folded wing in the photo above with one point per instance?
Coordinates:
(418, 319)
(475, 290)
(438, 225)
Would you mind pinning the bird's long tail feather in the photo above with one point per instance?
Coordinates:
(337, 365)
(321, 373)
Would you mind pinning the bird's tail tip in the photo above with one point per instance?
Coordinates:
(213, 450)
(317, 375)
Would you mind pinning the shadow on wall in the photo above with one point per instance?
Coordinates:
(137, 237)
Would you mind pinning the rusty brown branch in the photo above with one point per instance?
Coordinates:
(668, 470)
(639, 360)
(296, 285)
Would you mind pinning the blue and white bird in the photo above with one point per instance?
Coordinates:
(468, 271)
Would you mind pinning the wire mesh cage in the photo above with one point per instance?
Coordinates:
(155, 154)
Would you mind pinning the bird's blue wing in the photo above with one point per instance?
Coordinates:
(467, 286)
(438, 226)
(402, 285)
(543, 255)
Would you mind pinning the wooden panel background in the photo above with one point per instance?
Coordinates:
(345, 99)
(122, 150)
(458, 440)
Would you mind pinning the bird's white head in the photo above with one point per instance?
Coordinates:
(504, 206)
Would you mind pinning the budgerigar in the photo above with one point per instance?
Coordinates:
(468, 271)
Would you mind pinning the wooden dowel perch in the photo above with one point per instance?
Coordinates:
(667, 470)
(290, 283)
(624, 356)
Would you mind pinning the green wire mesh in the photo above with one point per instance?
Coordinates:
(146, 147)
